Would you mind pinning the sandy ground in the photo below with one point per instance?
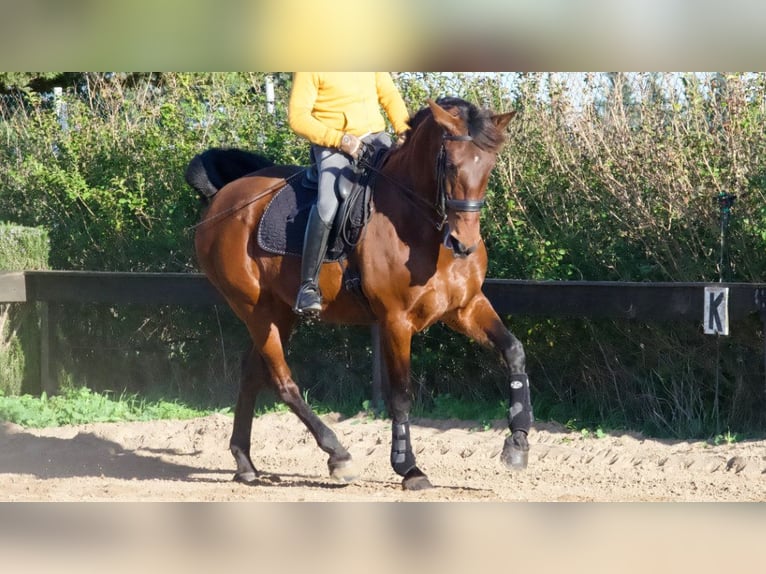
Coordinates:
(189, 461)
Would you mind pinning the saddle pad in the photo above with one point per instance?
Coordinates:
(283, 224)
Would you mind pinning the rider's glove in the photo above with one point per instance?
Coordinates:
(351, 145)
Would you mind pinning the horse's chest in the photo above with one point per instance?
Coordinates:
(443, 293)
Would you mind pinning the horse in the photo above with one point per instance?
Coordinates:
(420, 260)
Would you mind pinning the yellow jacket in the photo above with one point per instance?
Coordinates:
(325, 105)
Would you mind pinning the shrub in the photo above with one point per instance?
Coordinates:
(21, 248)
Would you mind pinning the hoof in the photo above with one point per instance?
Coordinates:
(416, 480)
(246, 477)
(246, 472)
(343, 471)
(515, 453)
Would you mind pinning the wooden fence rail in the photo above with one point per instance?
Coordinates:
(701, 302)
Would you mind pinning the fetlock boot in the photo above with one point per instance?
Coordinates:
(309, 299)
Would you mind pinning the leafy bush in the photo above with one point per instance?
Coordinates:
(102, 169)
(617, 177)
(21, 248)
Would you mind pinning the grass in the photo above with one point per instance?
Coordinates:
(445, 406)
(727, 438)
(81, 405)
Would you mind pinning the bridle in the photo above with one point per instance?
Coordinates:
(443, 200)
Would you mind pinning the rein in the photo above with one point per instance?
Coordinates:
(239, 206)
(408, 193)
(443, 201)
(442, 204)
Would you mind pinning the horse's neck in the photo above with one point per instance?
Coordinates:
(406, 195)
(408, 169)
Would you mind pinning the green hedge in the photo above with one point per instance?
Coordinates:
(21, 248)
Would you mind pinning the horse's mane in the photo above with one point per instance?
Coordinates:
(479, 122)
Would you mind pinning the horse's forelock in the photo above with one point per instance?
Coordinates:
(478, 121)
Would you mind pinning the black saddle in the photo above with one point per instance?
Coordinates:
(283, 224)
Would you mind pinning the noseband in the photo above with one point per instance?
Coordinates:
(443, 200)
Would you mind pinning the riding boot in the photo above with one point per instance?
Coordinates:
(309, 299)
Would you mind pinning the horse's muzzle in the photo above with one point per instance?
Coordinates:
(458, 248)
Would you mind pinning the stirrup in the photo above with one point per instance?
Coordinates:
(309, 300)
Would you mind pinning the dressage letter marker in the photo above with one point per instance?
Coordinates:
(716, 319)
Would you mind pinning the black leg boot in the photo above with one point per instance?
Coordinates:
(309, 299)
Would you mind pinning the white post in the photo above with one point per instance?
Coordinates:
(270, 94)
(59, 105)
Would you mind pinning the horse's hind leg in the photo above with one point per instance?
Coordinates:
(342, 467)
(340, 464)
(254, 375)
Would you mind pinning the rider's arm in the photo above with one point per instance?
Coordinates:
(299, 112)
(392, 102)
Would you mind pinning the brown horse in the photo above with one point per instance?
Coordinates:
(421, 260)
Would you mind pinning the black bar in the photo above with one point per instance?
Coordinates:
(121, 288)
(615, 299)
(578, 299)
(595, 299)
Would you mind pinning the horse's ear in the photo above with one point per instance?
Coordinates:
(501, 120)
(445, 119)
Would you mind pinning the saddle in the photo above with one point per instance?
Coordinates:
(283, 224)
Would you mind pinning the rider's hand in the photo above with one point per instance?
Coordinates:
(401, 139)
(351, 145)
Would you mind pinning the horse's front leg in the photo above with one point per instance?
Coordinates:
(396, 343)
(481, 322)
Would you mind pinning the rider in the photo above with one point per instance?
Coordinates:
(336, 112)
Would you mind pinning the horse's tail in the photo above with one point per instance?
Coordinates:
(210, 170)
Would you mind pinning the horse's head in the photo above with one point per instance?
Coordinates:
(468, 141)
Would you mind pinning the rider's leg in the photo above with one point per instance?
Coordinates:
(330, 163)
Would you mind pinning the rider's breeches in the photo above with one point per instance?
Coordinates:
(330, 163)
